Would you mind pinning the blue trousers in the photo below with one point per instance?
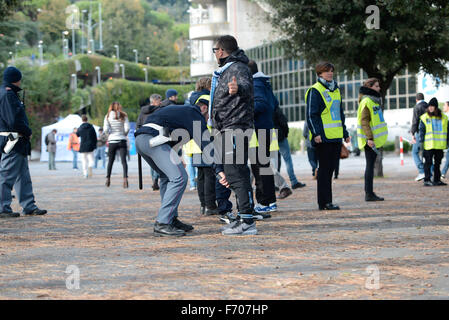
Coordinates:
(193, 171)
(75, 159)
(415, 152)
(284, 149)
(446, 164)
(14, 172)
(173, 177)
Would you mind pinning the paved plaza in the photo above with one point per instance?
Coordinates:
(397, 249)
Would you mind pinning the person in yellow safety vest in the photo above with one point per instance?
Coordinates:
(433, 130)
(372, 131)
(326, 122)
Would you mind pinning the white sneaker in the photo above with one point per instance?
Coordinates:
(419, 177)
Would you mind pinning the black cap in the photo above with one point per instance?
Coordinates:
(12, 75)
(433, 102)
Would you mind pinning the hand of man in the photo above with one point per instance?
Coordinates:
(370, 143)
(223, 180)
(233, 86)
(317, 139)
(348, 139)
(413, 140)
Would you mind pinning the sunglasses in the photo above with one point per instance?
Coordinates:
(216, 49)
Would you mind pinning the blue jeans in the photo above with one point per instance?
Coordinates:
(415, 152)
(191, 170)
(284, 149)
(446, 164)
(100, 154)
(311, 154)
(75, 159)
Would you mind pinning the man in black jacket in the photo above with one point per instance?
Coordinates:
(14, 171)
(418, 111)
(88, 144)
(232, 112)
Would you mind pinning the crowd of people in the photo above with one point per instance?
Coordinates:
(228, 133)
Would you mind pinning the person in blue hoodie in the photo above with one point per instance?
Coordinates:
(264, 103)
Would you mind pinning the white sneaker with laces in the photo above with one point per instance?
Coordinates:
(419, 177)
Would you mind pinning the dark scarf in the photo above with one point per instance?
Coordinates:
(372, 94)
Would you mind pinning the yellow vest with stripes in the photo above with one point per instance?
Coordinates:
(274, 145)
(331, 117)
(377, 123)
(436, 132)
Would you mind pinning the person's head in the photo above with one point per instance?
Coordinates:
(224, 46)
(84, 118)
(252, 65)
(446, 106)
(171, 94)
(100, 130)
(432, 109)
(203, 84)
(75, 129)
(203, 104)
(12, 75)
(155, 100)
(419, 96)
(325, 70)
(371, 83)
(116, 107)
(54, 131)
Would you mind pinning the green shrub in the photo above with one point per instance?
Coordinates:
(294, 139)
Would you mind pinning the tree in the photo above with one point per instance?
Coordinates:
(411, 34)
(7, 7)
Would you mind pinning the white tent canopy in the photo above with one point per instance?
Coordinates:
(64, 128)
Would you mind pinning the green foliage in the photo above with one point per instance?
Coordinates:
(294, 139)
(7, 7)
(336, 31)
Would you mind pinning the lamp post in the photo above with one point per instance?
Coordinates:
(92, 45)
(98, 74)
(74, 82)
(122, 66)
(65, 44)
(135, 52)
(117, 52)
(41, 53)
(146, 74)
(101, 28)
(11, 57)
(148, 62)
(15, 54)
(83, 27)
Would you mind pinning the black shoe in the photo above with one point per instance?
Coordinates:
(211, 212)
(439, 183)
(181, 225)
(329, 206)
(373, 197)
(276, 189)
(9, 214)
(285, 192)
(428, 184)
(202, 210)
(162, 229)
(298, 185)
(155, 186)
(336, 177)
(36, 212)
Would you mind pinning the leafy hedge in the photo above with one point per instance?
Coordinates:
(294, 139)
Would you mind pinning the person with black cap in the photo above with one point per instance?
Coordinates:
(15, 134)
(171, 97)
(433, 131)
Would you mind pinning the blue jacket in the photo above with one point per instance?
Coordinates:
(315, 106)
(196, 94)
(13, 119)
(264, 102)
(180, 117)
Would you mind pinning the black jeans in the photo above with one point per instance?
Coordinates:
(206, 187)
(436, 156)
(370, 157)
(113, 147)
(327, 156)
(265, 191)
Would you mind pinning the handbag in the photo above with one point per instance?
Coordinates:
(344, 153)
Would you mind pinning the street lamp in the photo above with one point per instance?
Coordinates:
(122, 66)
(83, 28)
(98, 74)
(74, 82)
(11, 57)
(41, 53)
(135, 52)
(65, 45)
(148, 62)
(17, 43)
(146, 74)
(92, 45)
(101, 29)
(117, 51)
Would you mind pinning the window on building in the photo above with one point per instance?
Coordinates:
(357, 75)
(402, 103)
(412, 85)
(303, 113)
(402, 89)
(296, 113)
(349, 91)
(392, 89)
(393, 103)
(308, 79)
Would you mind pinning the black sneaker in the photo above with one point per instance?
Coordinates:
(181, 225)
(284, 193)
(9, 214)
(298, 185)
(228, 217)
(439, 183)
(36, 212)
(373, 197)
(329, 206)
(211, 212)
(202, 210)
(162, 230)
(428, 184)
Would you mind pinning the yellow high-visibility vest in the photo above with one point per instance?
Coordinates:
(274, 145)
(436, 132)
(330, 117)
(377, 123)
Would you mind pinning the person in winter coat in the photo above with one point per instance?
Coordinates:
(14, 170)
(51, 149)
(88, 136)
(74, 146)
(116, 123)
(433, 132)
(171, 98)
(419, 109)
(101, 148)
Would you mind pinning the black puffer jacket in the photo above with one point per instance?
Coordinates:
(88, 136)
(234, 111)
(145, 111)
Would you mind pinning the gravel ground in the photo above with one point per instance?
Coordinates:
(106, 235)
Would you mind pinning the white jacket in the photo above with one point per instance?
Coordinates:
(117, 129)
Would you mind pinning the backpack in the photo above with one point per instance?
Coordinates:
(47, 141)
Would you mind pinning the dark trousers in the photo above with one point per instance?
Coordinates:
(222, 195)
(122, 148)
(206, 187)
(311, 154)
(238, 174)
(434, 156)
(265, 191)
(370, 157)
(327, 155)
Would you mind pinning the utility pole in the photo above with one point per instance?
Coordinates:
(41, 53)
(101, 28)
(135, 52)
(117, 51)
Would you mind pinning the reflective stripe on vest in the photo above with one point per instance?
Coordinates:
(436, 132)
(377, 123)
(274, 145)
(331, 116)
